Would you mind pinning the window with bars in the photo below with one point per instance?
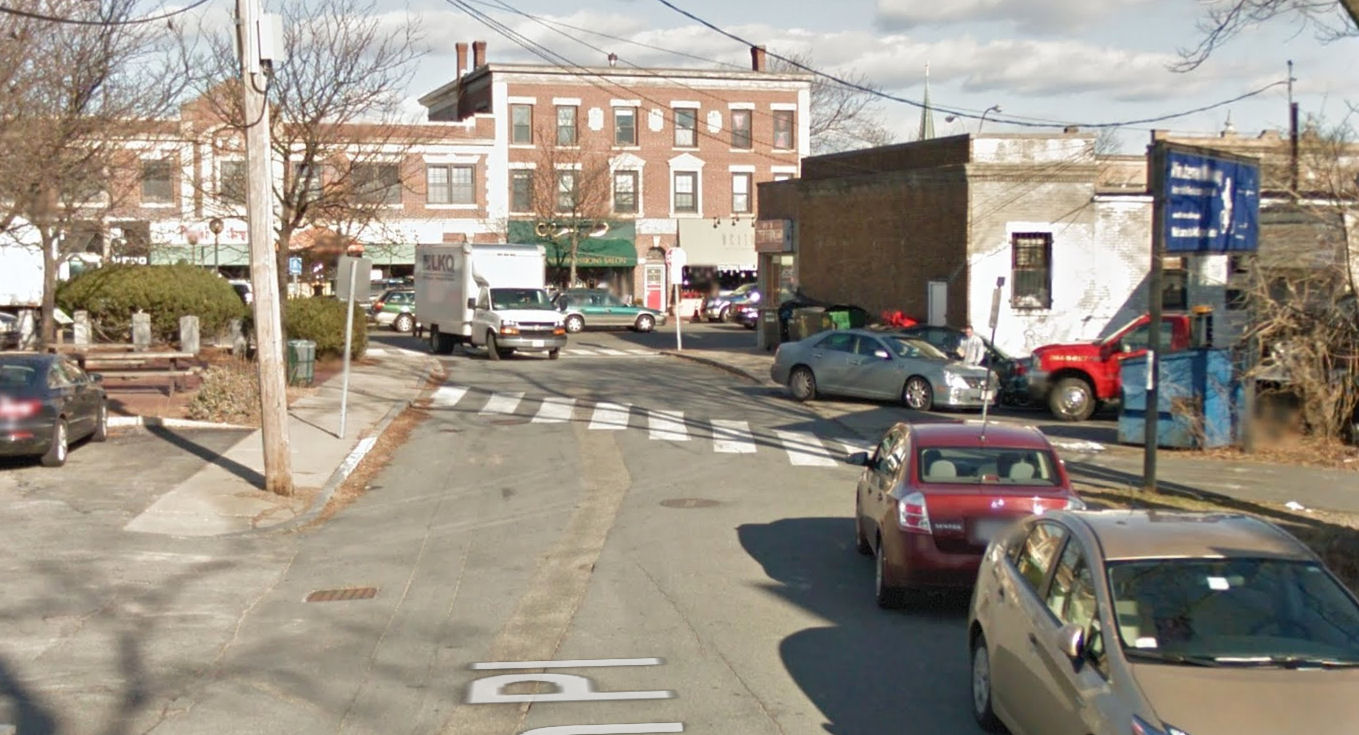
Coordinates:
(377, 183)
(740, 193)
(521, 124)
(740, 129)
(625, 126)
(1031, 270)
(625, 192)
(158, 182)
(783, 129)
(450, 184)
(686, 191)
(1174, 284)
(566, 124)
(686, 127)
(567, 183)
(521, 190)
(231, 182)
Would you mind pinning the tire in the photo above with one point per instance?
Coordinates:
(887, 596)
(60, 447)
(554, 354)
(404, 323)
(802, 383)
(492, 347)
(575, 323)
(981, 686)
(101, 423)
(1072, 399)
(917, 393)
(440, 343)
(861, 544)
(722, 316)
(645, 323)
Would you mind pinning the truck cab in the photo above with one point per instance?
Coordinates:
(1074, 378)
(509, 319)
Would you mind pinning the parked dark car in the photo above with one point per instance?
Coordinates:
(46, 402)
(1012, 390)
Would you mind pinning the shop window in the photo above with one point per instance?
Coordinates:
(686, 191)
(451, 184)
(686, 127)
(521, 124)
(566, 124)
(740, 193)
(784, 137)
(158, 182)
(1031, 268)
(625, 192)
(625, 126)
(740, 129)
(521, 190)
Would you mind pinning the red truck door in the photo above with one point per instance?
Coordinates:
(1134, 342)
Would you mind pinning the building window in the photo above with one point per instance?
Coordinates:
(158, 182)
(521, 190)
(566, 125)
(740, 129)
(450, 184)
(1174, 284)
(307, 183)
(1032, 270)
(740, 193)
(521, 124)
(566, 191)
(686, 127)
(686, 191)
(625, 192)
(625, 126)
(377, 183)
(783, 130)
(231, 182)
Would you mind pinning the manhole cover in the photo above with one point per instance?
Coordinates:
(689, 503)
(343, 595)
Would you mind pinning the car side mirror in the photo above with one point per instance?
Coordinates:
(881, 354)
(471, 302)
(858, 458)
(96, 377)
(1071, 641)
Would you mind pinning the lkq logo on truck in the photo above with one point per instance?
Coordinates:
(438, 262)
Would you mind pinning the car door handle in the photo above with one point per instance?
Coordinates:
(1033, 640)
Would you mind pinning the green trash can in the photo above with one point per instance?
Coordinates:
(839, 319)
(301, 361)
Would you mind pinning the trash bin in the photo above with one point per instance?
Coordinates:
(768, 336)
(1198, 399)
(806, 321)
(301, 361)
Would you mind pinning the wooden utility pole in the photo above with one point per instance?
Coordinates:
(278, 475)
(1152, 415)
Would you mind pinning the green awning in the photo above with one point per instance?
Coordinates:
(614, 250)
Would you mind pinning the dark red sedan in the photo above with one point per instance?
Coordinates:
(932, 495)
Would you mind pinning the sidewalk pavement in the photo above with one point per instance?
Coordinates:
(1096, 464)
(226, 496)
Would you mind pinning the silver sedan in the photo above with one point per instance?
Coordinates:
(881, 365)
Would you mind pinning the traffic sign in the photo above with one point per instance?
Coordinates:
(295, 265)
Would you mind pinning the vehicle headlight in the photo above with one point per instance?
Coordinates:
(1074, 503)
(955, 380)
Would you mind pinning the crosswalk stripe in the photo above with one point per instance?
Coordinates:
(502, 403)
(732, 437)
(580, 351)
(851, 448)
(607, 351)
(641, 352)
(609, 417)
(804, 450)
(555, 409)
(448, 395)
(668, 426)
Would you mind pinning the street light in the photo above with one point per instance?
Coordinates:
(992, 108)
(215, 226)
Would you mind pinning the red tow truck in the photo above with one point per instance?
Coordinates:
(1074, 378)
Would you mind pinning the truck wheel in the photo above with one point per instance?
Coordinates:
(1072, 399)
(554, 354)
(404, 323)
(492, 348)
(574, 323)
(440, 343)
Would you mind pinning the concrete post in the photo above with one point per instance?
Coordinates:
(28, 329)
(81, 330)
(239, 345)
(141, 332)
(188, 334)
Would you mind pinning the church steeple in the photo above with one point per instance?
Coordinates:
(926, 114)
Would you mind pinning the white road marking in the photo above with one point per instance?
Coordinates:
(732, 437)
(579, 351)
(611, 353)
(580, 663)
(668, 426)
(555, 409)
(610, 417)
(851, 448)
(502, 403)
(804, 450)
(448, 396)
(646, 353)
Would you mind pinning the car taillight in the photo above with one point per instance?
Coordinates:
(12, 409)
(1021, 368)
(912, 515)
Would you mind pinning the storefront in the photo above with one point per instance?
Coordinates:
(605, 257)
(721, 253)
(776, 245)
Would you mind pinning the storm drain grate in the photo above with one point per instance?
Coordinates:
(343, 595)
(689, 503)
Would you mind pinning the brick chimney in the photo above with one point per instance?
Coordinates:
(757, 58)
(478, 54)
(461, 49)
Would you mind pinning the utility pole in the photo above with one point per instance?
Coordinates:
(278, 476)
(1152, 415)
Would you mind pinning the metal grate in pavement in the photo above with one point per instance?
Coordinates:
(343, 595)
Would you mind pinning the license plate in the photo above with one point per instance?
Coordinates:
(537, 343)
(985, 529)
(988, 395)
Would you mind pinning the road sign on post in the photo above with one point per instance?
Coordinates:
(351, 284)
(677, 259)
(295, 266)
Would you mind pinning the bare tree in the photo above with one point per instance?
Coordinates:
(77, 92)
(842, 117)
(337, 124)
(571, 195)
(1328, 19)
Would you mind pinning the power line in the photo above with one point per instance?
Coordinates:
(104, 23)
(1006, 120)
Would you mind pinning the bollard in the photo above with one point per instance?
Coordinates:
(239, 345)
(81, 330)
(188, 334)
(28, 329)
(141, 332)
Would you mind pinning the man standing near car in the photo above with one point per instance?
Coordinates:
(971, 348)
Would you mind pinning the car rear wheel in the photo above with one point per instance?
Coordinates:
(646, 323)
(802, 384)
(574, 323)
(440, 343)
(404, 323)
(101, 423)
(1072, 399)
(981, 686)
(888, 596)
(918, 394)
(492, 347)
(724, 314)
(57, 451)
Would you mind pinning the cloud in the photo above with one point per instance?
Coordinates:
(1031, 16)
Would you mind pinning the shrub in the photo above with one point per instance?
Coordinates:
(321, 320)
(229, 394)
(112, 294)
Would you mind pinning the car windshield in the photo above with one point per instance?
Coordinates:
(1237, 611)
(990, 465)
(14, 376)
(519, 298)
(914, 347)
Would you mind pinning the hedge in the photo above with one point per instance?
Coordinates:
(321, 320)
(113, 293)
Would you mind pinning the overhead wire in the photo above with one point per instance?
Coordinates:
(103, 23)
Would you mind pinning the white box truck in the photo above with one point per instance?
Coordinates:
(490, 296)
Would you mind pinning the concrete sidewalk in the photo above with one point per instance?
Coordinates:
(226, 496)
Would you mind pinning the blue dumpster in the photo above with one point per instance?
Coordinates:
(1198, 400)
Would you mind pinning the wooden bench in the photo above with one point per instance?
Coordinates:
(170, 367)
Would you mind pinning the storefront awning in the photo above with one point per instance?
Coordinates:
(614, 249)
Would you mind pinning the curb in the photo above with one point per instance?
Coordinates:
(129, 422)
(714, 363)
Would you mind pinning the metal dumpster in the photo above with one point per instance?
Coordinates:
(1198, 400)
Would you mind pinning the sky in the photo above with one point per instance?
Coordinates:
(1077, 62)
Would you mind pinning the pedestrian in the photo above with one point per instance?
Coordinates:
(971, 348)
